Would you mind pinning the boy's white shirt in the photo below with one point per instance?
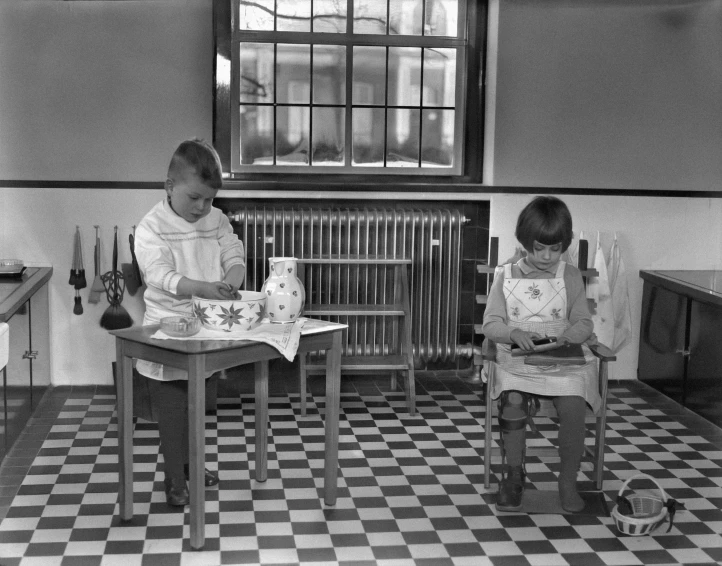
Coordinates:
(169, 248)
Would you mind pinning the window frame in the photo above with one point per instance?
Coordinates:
(469, 89)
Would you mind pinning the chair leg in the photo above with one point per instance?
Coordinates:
(393, 380)
(487, 436)
(601, 427)
(302, 373)
(411, 390)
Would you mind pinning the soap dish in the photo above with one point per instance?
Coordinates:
(180, 326)
(11, 265)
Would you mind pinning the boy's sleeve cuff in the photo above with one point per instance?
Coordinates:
(172, 283)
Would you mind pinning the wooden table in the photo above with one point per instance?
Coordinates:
(198, 358)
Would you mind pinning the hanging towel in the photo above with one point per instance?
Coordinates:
(608, 294)
(603, 317)
(620, 297)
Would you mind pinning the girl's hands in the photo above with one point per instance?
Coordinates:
(523, 339)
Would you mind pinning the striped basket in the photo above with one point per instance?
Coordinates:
(639, 515)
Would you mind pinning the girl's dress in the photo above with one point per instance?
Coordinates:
(540, 305)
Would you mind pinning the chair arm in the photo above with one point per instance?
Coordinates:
(602, 352)
(488, 350)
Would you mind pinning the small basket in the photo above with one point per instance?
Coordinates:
(647, 512)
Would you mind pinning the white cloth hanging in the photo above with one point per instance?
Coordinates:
(608, 293)
(598, 286)
(620, 297)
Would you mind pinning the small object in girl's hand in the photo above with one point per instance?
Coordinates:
(180, 326)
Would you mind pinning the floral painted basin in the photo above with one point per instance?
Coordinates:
(243, 313)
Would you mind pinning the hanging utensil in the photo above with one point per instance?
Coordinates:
(136, 267)
(96, 289)
(115, 316)
(74, 269)
(130, 271)
(80, 281)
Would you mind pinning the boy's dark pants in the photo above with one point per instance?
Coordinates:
(169, 402)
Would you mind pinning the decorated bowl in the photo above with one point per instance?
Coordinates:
(180, 326)
(242, 313)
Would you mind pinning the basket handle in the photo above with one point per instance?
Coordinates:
(645, 476)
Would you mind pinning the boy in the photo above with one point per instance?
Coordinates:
(184, 247)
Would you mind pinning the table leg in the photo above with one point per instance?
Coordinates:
(261, 381)
(197, 445)
(333, 388)
(124, 397)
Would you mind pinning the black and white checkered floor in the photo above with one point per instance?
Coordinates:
(410, 488)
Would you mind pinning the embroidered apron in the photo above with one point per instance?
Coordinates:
(540, 305)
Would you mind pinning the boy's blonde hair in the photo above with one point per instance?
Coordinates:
(199, 156)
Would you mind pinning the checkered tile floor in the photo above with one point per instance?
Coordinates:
(410, 488)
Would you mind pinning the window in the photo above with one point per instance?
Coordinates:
(342, 86)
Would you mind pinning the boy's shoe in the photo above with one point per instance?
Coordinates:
(176, 493)
(511, 490)
(210, 479)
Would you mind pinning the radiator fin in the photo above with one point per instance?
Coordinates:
(431, 238)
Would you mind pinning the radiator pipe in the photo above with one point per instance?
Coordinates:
(473, 373)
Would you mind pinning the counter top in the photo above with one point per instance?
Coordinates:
(15, 291)
(701, 285)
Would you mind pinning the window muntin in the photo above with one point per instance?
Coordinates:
(375, 93)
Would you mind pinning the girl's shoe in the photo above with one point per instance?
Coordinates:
(511, 490)
(570, 498)
(210, 479)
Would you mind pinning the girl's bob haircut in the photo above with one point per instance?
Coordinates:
(546, 220)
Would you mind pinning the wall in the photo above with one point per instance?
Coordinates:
(602, 93)
(119, 84)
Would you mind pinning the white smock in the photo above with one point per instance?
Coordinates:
(540, 305)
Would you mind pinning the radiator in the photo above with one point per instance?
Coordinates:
(430, 238)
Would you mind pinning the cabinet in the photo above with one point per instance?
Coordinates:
(371, 295)
(24, 306)
(681, 325)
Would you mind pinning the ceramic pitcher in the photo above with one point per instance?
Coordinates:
(284, 290)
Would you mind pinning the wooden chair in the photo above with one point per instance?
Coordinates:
(603, 354)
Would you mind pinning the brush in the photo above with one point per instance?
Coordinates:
(115, 316)
(96, 289)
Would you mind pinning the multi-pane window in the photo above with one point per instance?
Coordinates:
(341, 86)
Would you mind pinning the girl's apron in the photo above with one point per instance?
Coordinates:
(540, 305)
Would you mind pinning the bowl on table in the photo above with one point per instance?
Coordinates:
(180, 326)
(242, 313)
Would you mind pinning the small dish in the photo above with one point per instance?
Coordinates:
(180, 326)
(11, 265)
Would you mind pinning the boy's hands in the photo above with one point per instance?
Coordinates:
(523, 339)
(217, 290)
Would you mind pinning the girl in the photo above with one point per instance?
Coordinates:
(538, 296)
